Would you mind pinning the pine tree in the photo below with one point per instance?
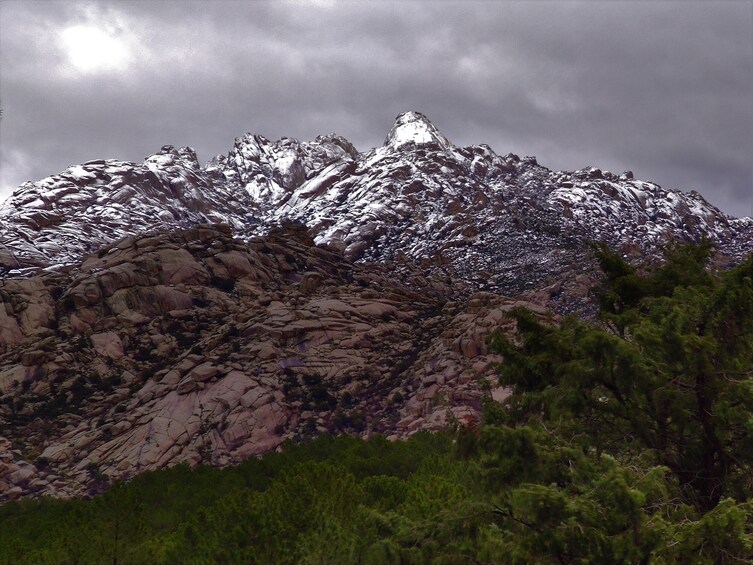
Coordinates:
(668, 373)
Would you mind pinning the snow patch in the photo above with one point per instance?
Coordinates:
(413, 127)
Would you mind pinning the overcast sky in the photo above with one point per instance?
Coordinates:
(661, 88)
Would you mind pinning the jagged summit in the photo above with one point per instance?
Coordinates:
(486, 221)
(414, 127)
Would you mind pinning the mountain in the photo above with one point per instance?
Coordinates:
(497, 223)
(167, 312)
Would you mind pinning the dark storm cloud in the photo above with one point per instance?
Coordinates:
(662, 88)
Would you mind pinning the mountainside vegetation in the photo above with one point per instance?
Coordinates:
(624, 440)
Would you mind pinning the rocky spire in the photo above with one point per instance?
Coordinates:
(414, 127)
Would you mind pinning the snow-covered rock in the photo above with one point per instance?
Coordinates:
(415, 128)
(489, 222)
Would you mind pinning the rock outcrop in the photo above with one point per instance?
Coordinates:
(195, 347)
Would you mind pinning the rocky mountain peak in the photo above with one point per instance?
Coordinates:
(168, 155)
(493, 223)
(414, 127)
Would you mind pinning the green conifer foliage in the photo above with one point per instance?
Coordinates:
(666, 377)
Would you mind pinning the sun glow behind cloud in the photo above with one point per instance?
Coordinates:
(92, 49)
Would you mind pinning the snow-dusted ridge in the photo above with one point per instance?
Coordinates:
(495, 222)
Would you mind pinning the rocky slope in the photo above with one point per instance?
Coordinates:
(489, 222)
(193, 346)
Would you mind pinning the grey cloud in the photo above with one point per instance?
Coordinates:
(662, 88)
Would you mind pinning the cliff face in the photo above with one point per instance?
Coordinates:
(193, 346)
